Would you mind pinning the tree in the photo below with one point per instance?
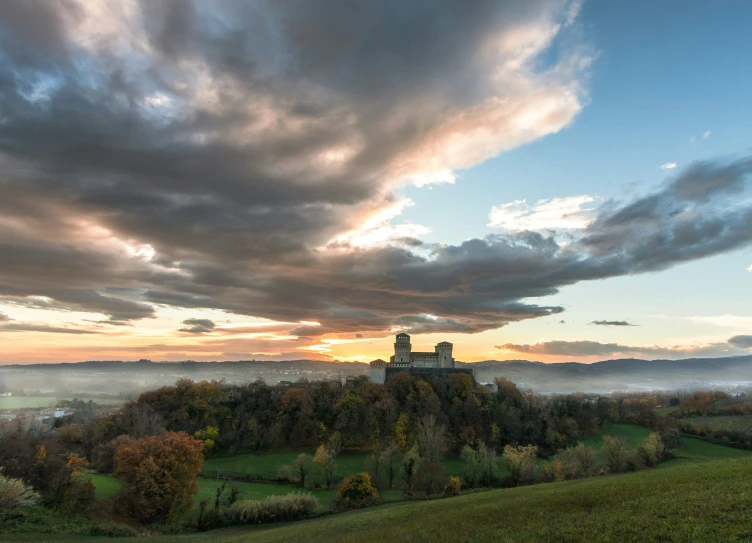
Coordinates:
(14, 493)
(615, 451)
(400, 430)
(651, 450)
(430, 478)
(159, 475)
(431, 439)
(209, 436)
(103, 458)
(586, 457)
(67, 489)
(326, 457)
(520, 461)
(410, 463)
(471, 467)
(390, 461)
(302, 466)
(356, 491)
(668, 428)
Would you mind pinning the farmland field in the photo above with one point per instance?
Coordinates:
(709, 502)
(36, 402)
(736, 423)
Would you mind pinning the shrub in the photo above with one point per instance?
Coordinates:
(292, 506)
(453, 488)
(356, 491)
(14, 493)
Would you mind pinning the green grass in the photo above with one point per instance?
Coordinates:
(631, 434)
(736, 423)
(696, 451)
(696, 503)
(107, 487)
(667, 410)
(268, 465)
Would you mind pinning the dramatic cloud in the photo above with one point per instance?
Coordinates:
(612, 323)
(248, 157)
(669, 166)
(4, 318)
(556, 213)
(744, 342)
(197, 326)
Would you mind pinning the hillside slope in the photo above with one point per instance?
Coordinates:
(703, 503)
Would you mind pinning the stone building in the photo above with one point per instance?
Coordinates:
(438, 361)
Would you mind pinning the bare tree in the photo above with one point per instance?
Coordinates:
(390, 461)
(431, 438)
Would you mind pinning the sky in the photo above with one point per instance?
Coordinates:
(543, 179)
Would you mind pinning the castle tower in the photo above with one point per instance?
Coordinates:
(402, 348)
(444, 352)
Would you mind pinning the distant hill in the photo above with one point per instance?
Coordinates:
(621, 374)
(111, 377)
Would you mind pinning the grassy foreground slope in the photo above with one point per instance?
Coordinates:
(704, 503)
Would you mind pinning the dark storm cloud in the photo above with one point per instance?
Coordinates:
(745, 342)
(198, 326)
(204, 155)
(612, 323)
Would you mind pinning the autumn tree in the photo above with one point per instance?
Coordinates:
(159, 475)
(326, 457)
(520, 461)
(400, 430)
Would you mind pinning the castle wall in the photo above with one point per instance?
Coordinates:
(378, 373)
(426, 372)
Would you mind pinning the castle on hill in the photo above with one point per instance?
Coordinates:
(438, 361)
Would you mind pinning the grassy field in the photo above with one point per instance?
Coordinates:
(36, 402)
(697, 503)
(667, 410)
(108, 487)
(268, 465)
(736, 423)
(105, 487)
(631, 434)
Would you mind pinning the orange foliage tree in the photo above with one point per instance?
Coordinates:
(159, 473)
